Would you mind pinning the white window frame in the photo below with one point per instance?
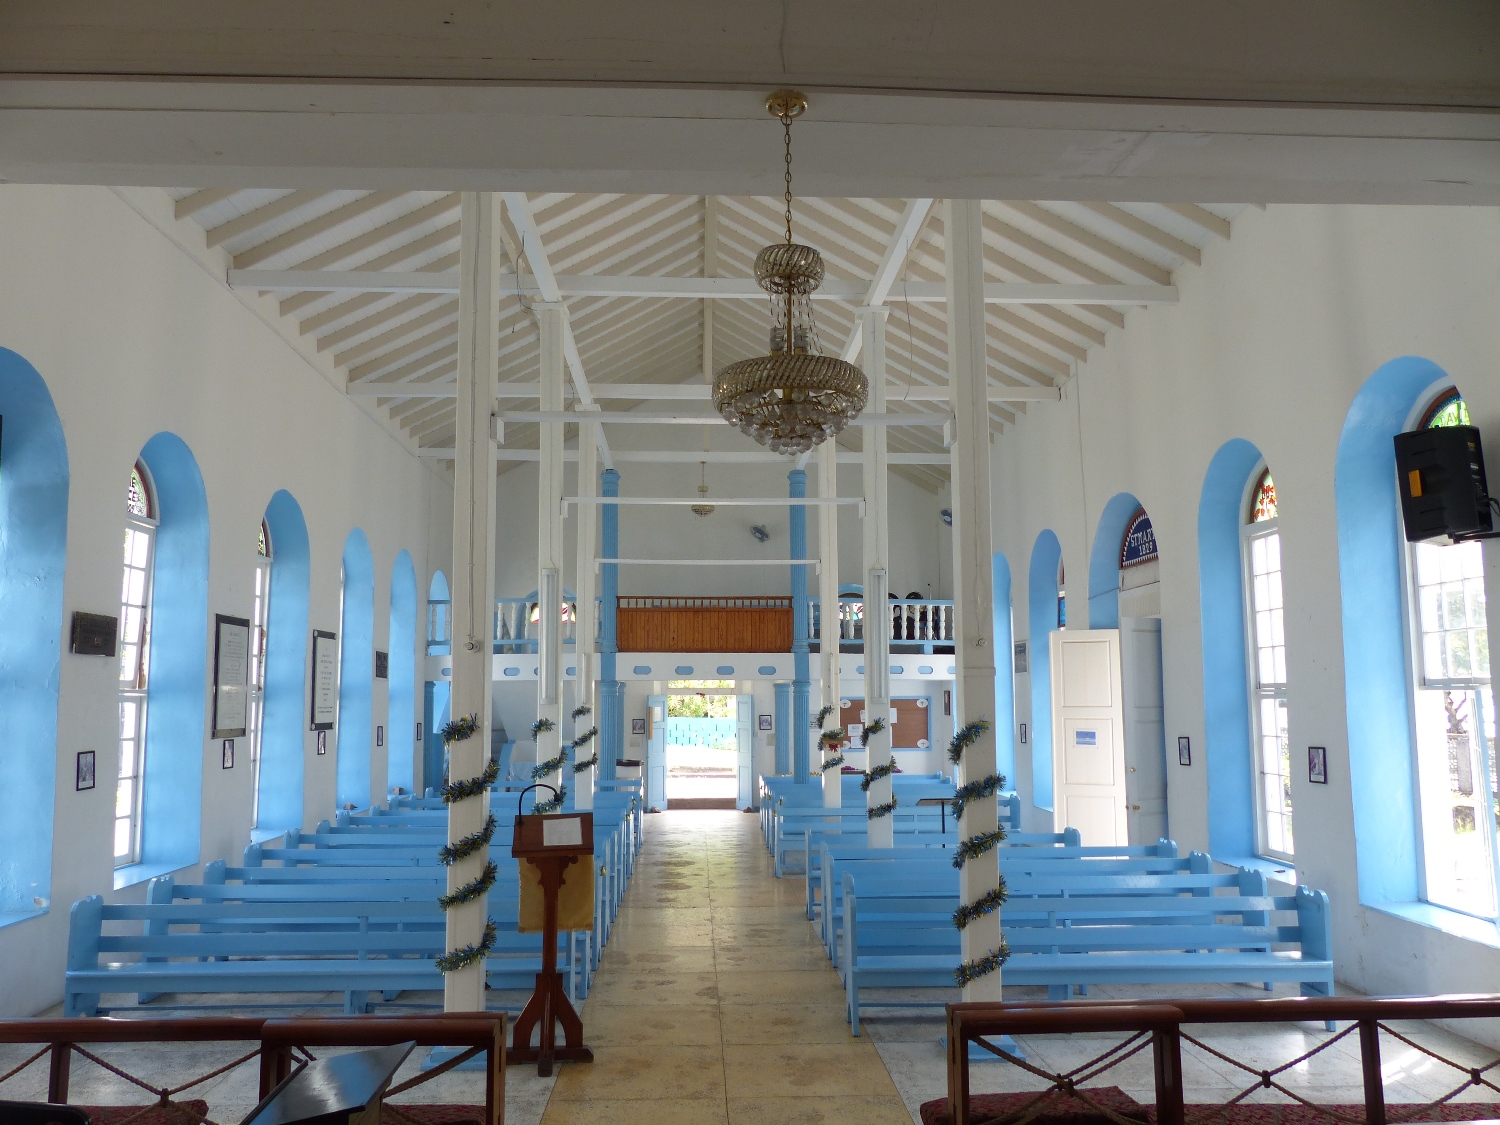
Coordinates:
(260, 617)
(136, 691)
(1259, 693)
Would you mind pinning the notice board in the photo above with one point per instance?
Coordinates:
(910, 731)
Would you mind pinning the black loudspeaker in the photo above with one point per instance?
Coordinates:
(1443, 490)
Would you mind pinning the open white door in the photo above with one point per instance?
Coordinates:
(1088, 756)
(1145, 729)
(745, 730)
(656, 752)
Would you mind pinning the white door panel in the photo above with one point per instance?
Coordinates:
(1145, 729)
(1088, 751)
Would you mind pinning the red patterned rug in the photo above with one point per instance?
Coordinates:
(999, 1108)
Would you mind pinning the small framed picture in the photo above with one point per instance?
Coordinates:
(419, 732)
(84, 778)
(228, 754)
(380, 736)
(1184, 750)
(1023, 734)
(637, 726)
(947, 701)
(764, 722)
(1023, 661)
(322, 742)
(1317, 765)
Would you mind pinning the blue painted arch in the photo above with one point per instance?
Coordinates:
(1041, 599)
(33, 554)
(402, 668)
(176, 715)
(356, 672)
(1104, 561)
(1228, 753)
(1376, 667)
(282, 740)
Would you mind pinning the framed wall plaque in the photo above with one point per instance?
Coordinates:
(1184, 750)
(1317, 765)
(1023, 734)
(765, 722)
(83, 778)
(322, 742)
(231, 676)
(228, 759)
(325, 684)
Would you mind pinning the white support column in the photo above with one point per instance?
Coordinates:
(877, 620)
(586, 586)
(473, 588)
(973, 581)
(828, 609)
(551, 317)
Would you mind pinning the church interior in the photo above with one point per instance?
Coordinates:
(640, 562)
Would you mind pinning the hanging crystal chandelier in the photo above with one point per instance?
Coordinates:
(702, 508)
(794, 398)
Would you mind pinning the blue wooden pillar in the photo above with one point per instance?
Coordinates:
(801, 662)
(611, 691)
(784, 729)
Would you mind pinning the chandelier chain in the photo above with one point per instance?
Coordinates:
(786, 124)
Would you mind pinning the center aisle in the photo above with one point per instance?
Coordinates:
(715, 1002)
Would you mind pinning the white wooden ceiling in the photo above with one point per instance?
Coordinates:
(412, 338)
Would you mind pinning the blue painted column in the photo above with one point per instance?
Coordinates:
(801, 661)
(784, 729)
(611, 691)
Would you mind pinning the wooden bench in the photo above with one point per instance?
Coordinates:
(1169, 929)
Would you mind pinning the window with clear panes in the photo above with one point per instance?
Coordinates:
(1266, 635)
(1453, 711)
(260, 615)
(135, 660)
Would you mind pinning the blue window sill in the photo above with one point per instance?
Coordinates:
(141, 872)
(1275, 869)
(15, 917)
(1452, 922)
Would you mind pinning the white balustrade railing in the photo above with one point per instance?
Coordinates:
(925, 622)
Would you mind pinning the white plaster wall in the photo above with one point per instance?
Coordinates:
(134, 336)
(1273, 336)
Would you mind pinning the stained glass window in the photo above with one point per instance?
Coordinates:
(1448, 409)
(1263, 499)
(138, 496)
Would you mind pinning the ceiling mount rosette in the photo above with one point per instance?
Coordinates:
(793, 398)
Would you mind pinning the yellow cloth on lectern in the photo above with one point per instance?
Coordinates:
(575, 898)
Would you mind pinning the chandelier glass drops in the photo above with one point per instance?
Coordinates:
(795, 397)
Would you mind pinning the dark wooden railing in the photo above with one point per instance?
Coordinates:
(276, 1043)
(729, 624)
(1164, 1023)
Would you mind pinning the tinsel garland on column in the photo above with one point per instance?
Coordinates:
(461, 730)
(973, 847)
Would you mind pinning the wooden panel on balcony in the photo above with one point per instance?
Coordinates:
(754, 624)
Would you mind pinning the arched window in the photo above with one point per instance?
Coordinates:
(1266, 635)
(141, 519)
(1453, 709)
(260, 616)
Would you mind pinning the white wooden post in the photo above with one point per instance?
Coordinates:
(973, 580)
(586, 587)
(828, 608)
(550, 543)
(877, 622)
(473, 590)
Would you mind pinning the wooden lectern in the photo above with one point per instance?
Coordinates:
(550, 844)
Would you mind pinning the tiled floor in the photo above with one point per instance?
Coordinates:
(715, 1003)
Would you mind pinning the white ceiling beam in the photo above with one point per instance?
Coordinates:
(896, 252)
(681, 392)
(518, 207)
(688, 288)
(699, 418)
(202, 200)
(267, 213)
(940, 460)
